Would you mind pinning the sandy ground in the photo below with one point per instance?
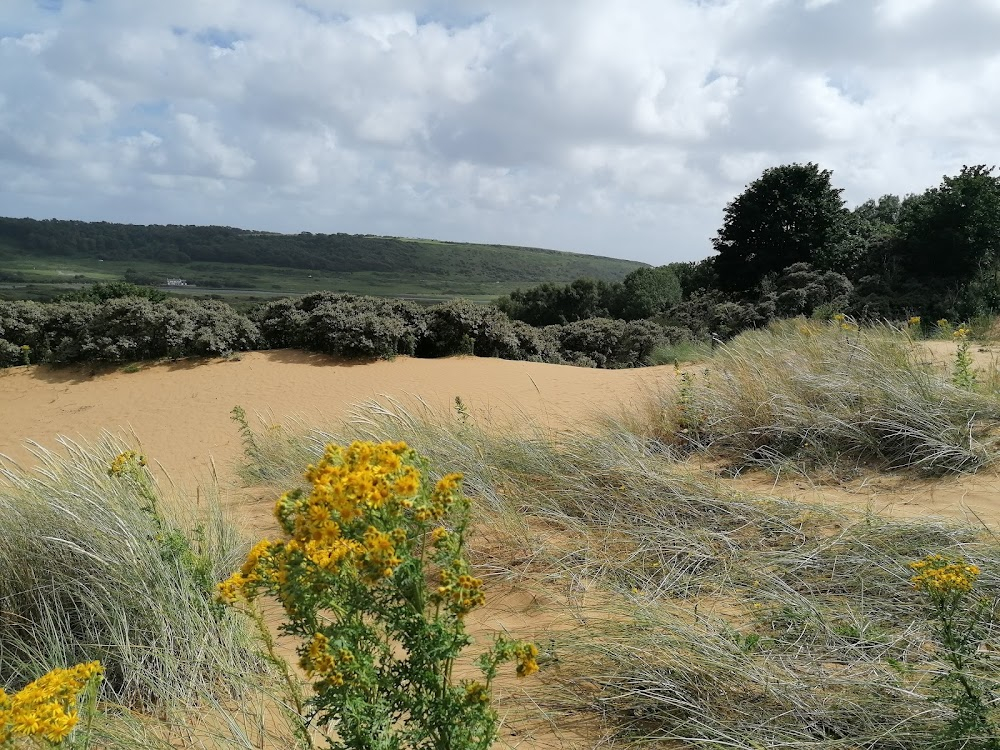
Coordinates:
(180, 412)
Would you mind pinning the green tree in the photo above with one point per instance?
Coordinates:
(649, 291)
(951, 234)
(791, 214)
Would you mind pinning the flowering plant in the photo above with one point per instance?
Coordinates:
(46, 708)
(374, 582)
(947, 585)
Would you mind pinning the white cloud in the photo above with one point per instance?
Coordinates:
(617, 128)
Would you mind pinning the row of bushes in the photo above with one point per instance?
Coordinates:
(132, 328)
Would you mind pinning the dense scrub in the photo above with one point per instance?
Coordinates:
(102, 328)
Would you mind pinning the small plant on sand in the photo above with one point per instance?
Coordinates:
(959, 617)
(26, 354)
(46, 709)
(962, 373)
(374, 582)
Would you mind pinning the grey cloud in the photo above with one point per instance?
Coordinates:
(619, 128)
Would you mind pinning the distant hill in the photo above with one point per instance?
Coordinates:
(185, 247)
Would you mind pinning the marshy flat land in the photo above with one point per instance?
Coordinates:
(712, 556)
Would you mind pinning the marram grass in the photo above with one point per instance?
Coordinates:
(724, 620)
(96, 566)
(807, 395)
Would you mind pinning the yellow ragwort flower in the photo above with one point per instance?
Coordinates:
(938, 575)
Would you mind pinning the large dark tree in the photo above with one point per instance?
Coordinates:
(791, 214)
(951, 233)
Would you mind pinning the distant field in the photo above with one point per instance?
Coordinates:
(44, 278)
(41, 259)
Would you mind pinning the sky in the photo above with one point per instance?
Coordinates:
(611, 127)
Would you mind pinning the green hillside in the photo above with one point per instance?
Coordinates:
(36, 256)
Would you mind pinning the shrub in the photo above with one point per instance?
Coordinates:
(208, 328)
(343, 325)
(607, 342)
(463, 327)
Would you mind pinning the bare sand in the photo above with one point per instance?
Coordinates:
(179, 412)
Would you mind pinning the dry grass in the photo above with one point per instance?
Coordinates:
(727, 620)
(807, 396)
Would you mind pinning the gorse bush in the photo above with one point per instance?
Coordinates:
(122, 329)
(375, 585)
(94, 566)
(608, 343)
(462, 327)
(343, 325)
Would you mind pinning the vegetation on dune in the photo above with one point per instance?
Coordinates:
(727, 620)
(690, 614)
(802, 395)
(131, 328)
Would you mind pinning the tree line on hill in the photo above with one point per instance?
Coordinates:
(332, 253)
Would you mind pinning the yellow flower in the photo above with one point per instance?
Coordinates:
(941, 576)
(526, 659)
(46, 707)
(127, 462)
(914, 321)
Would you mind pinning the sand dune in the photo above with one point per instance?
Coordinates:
(180, 412)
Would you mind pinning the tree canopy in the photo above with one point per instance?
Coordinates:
(791, 214)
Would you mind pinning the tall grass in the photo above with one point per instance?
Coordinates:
(99, 567)
(718, 619)
(810, 395)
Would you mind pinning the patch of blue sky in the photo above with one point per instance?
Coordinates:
(451, 18)
(221, 38)
(849, 87)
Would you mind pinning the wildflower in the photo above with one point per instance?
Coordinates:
(526, 654)
(960, 333)
(914, 321)
(477, 692)
(46, 707)
(838, 317)
(127, 462)
(943, 577)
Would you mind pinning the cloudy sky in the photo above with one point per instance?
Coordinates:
(616, 127)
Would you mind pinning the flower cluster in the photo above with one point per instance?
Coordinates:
(459, 591)
(938, 575)
(913, 321)
(328, 530)
(46, 708)
(960, 334)
(373, 579)
(127, 462)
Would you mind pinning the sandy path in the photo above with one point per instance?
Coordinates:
(180, 412)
